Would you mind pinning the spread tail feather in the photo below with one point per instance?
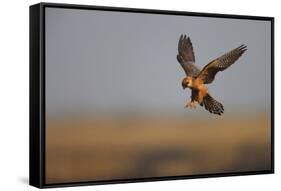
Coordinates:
(212, 105)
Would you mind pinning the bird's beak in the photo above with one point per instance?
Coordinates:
(183, 87)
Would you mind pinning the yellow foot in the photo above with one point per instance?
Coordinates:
(191, 104)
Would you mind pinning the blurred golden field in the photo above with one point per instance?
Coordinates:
(105, 148)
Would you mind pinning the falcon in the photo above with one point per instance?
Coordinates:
(196, 79)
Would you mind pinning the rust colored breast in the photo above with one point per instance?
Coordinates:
(197, 84)
(202, 89)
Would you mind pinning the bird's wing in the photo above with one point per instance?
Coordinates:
(208, 73)
(212, 105)
(186, 56)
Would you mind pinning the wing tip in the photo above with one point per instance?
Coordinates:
(184, 37)
(181, 36)
(242, 48)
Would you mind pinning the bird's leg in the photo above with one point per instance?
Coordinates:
(188, 104)
(191, 104)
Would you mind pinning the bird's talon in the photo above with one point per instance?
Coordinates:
(191, 104)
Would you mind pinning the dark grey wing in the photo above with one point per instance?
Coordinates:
(208, 73)
(186, 56)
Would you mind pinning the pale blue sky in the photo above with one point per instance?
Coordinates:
(114, 61)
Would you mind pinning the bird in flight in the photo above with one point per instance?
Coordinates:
(196, 79)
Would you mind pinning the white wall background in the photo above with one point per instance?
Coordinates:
(14, 58)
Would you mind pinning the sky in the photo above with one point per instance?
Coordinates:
(104, 61)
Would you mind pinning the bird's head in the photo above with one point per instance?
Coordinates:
(187, 82)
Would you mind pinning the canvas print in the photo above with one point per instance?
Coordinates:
(140, 95)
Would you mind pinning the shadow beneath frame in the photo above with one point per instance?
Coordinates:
(24, 180)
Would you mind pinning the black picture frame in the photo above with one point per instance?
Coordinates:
(37, 94)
